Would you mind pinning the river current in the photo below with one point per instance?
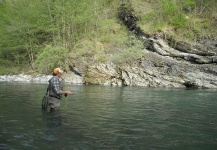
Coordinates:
(108, 118)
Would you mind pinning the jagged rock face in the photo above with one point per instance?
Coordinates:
(154, 70)
(164, 66)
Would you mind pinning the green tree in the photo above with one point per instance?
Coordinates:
(23, 30)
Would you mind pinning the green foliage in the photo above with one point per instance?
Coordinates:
(188, 4)
(22, 30)
(34, 33)
(188, 19)
(8, 70)
(133, 50)
(172, 14)
(51, 57)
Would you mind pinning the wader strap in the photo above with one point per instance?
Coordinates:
(47, 90)
(54, 96)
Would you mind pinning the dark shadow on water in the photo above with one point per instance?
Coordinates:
(53, 118)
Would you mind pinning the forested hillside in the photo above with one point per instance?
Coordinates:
(38, 35)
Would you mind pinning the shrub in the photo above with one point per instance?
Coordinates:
(133, 49)
(51, 57)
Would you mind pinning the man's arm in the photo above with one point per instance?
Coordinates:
(58, 89)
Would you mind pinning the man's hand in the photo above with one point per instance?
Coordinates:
(67, 92)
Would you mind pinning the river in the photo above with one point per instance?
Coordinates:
(108, 118)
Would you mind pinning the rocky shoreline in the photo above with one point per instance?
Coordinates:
(67, 78)
(25, 78)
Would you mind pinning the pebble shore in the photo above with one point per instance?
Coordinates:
(25, 78)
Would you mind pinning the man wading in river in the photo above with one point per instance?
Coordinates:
(56, 90)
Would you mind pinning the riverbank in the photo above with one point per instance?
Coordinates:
(25, 78)
(40, 78)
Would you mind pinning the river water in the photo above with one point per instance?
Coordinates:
(111, 118)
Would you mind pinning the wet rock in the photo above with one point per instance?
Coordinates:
(190, 84)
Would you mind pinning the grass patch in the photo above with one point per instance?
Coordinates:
(187, 20)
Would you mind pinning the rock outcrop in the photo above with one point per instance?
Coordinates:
(154, 70)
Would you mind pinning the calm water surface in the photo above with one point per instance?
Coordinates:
(111, 118)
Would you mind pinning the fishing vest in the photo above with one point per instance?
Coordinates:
(51, 87)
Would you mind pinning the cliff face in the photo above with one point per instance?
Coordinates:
(165, 64)
(153, 70)
(185, 65)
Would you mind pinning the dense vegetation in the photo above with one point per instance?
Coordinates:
(41, 34)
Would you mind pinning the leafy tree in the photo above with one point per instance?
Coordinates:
(51, 57)
(23, 29)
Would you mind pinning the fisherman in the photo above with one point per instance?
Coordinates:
(55, 90)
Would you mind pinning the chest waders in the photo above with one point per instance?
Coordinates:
(51, 95)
